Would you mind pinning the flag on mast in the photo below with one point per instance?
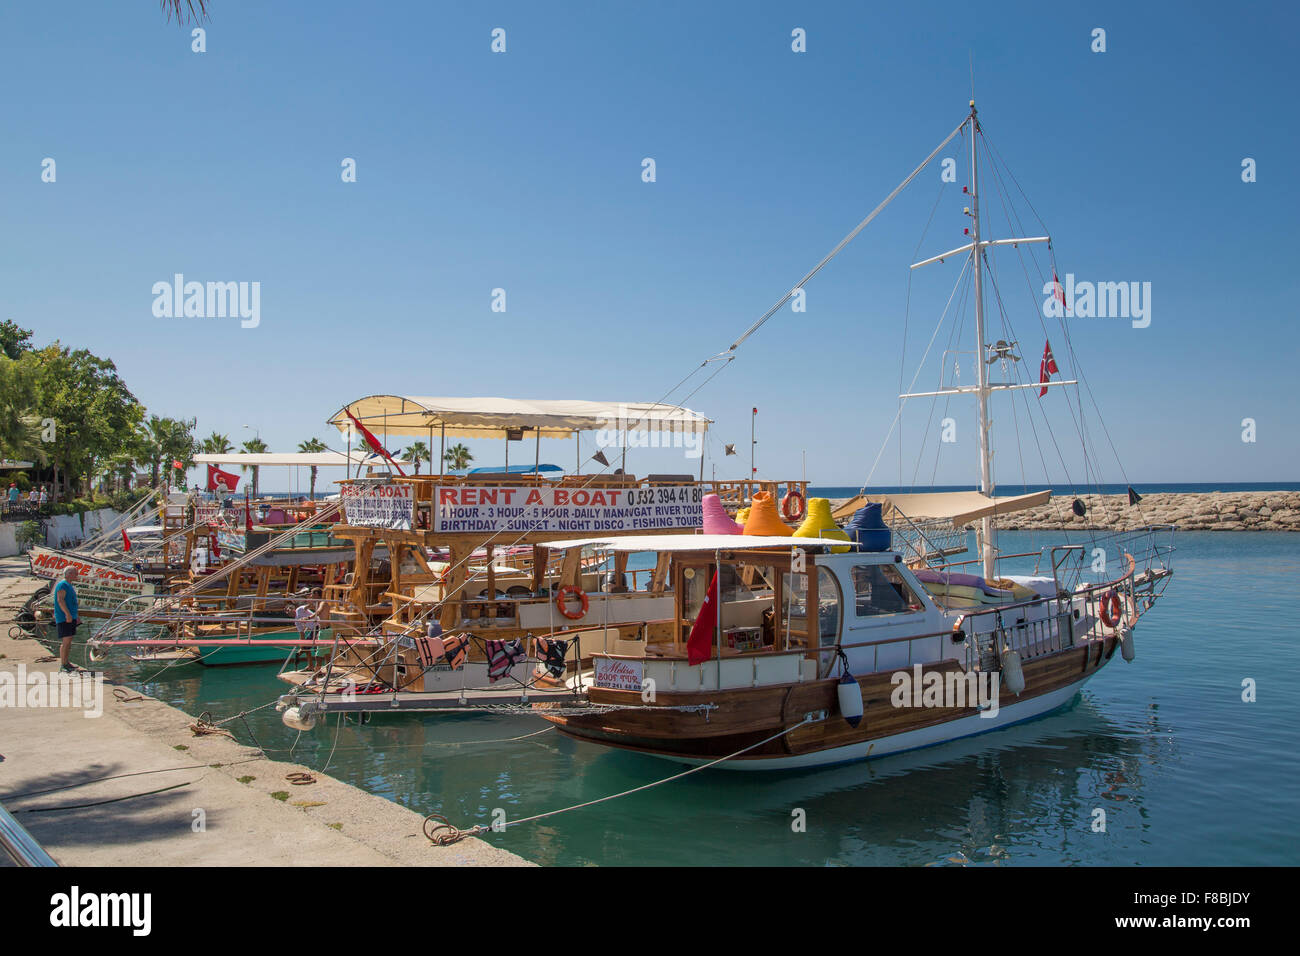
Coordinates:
(373, 442)
(1058, 291)
(1047, 368)
(699, 646)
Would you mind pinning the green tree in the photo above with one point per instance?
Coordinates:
(94, 414)
(166, 440)
(20, 426)
(254, 446)
(197, 10)
(216, 444)
(309, 447)
(457, 457)
(13, 340)
(418, 452)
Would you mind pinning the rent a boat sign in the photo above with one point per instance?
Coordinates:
(477, 509)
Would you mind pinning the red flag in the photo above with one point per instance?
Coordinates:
(1058, 291)
(177, 464)
(1046, 368)
(373, 442)
(212, 545)
(126, 542)
(699, 646)
(217, 477)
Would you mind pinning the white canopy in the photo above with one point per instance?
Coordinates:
(689, 542)
(492, 417)
(320, 459)
(6, 463)
(961, 507)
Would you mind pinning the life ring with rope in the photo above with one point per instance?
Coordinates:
(788, 511)
(561, 601)
(1112, 611)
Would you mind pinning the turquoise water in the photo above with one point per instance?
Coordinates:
(1186, 773)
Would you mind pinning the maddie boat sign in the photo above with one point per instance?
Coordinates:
(473, 509)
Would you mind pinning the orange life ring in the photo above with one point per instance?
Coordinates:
(570, 590)
(1112, 612)
(787, 511)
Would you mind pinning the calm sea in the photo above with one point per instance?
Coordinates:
(1200, 487)
(1186, 772)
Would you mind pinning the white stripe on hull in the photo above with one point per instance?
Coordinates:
(909, 740)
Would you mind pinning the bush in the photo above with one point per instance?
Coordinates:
(29, 533)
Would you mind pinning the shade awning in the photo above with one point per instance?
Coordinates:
(494, 417)
(959, 507)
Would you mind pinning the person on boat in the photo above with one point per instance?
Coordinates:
(306, 618)
(65, 615)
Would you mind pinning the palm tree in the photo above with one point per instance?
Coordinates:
(164, 440)
(197, 9)
(217, 444)
(20, 426)
(254, 446)
(458, 457)
(417, 453)
(308, 447)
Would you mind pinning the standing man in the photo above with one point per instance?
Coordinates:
(65, 615)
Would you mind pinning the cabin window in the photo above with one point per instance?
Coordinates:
(828, 597)
(880, 589)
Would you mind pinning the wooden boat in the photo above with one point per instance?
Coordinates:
(820, 657)
(471, 553)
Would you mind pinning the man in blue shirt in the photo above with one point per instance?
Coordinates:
(65, 614)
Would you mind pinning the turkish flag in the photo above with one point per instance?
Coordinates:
(699, 647)
(223, 478)
(212, 546)
(1058, 291)
(126, 542)
(1047, 368)
(373, 442)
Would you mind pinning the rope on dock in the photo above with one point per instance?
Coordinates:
(444, 833)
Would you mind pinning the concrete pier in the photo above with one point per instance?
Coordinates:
(135, 748)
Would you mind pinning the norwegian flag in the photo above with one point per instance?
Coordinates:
(1047, 368)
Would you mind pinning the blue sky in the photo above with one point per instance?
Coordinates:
(522, 171)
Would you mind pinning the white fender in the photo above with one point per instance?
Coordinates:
(1013, 675)
(294, 719)
(850, 699)
(1126, 643)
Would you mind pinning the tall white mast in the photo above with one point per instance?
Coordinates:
(983, 388)
(987, 541)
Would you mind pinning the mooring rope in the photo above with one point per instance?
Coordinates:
(444, 833)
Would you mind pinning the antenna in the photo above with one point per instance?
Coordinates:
(972, 74)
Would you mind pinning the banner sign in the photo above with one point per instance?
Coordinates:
(618, 675)
(379, 504)
(476, 509)
(49, 564)
(98, 585)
